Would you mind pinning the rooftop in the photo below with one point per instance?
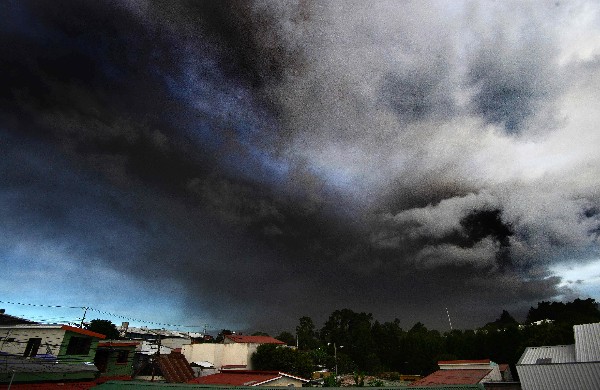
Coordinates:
(253, 339)
(548, 355)
(452, 377)
(242, 378)
(55, 326)
(479, 361)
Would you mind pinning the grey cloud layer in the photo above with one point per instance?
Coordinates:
(405, 145)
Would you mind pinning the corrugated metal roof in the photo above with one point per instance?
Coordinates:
(556, 354)
(568, 376)
(10, 363)
(587, 342)
(175, 368)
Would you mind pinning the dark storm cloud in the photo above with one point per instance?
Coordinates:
(301, 156)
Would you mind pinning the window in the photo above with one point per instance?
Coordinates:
(32, 347)
(79, 345)
(543, 361)
(122, 357)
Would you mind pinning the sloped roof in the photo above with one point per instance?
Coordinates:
(55, 326)
(587, 342)
(478, 361)
(10, 363)
(7, 319)
(175, 368)
(242, 378)
(117, 343)
(83, 331)
(452, 377)
(253, 339)
(548, 355)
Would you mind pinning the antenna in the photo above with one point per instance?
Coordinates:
(450, 322)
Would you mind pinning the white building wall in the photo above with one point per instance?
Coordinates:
(494, 376)
(52, 338)
(220, 354)
(568, 376)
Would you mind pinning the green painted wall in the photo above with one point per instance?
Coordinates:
(118, 369)
(64, 358)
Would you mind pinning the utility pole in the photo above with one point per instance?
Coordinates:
(155, 362)
(85, 309)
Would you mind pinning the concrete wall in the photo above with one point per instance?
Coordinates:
(220, 354)
(52, 339)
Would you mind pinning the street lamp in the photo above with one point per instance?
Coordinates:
(335, 358)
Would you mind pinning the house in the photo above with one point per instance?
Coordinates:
(462, 372)
(250, 378)
(37, 353)
(235, 350)
(565, 367)
(114, 359)
(6, 319)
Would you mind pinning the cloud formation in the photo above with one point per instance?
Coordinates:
(305, 156)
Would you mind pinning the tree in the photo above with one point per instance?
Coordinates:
(222, 334)
(271, 357)
(287, 338)
(104, 327)
(307, 336)
(504, 321)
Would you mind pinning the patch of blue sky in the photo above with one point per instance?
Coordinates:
(580, 276)
(46, 273)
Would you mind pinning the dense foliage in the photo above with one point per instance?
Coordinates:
(104, 327)
(358, 343)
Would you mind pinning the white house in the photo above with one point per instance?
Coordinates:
(61, 342)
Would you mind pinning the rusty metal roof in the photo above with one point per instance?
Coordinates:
(175, 368)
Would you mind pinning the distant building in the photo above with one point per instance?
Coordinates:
(564, 367)
(234, 352)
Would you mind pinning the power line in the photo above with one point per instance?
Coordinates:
(87, 308)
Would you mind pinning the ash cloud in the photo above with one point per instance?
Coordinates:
(277, 154)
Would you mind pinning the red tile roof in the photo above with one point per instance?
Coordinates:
(83, 331)
(452, 377)
(480, 361)
(253, 339)
(242, 378)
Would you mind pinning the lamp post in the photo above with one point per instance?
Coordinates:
(335, 358)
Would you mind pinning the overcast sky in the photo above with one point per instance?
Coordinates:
(243, 164)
